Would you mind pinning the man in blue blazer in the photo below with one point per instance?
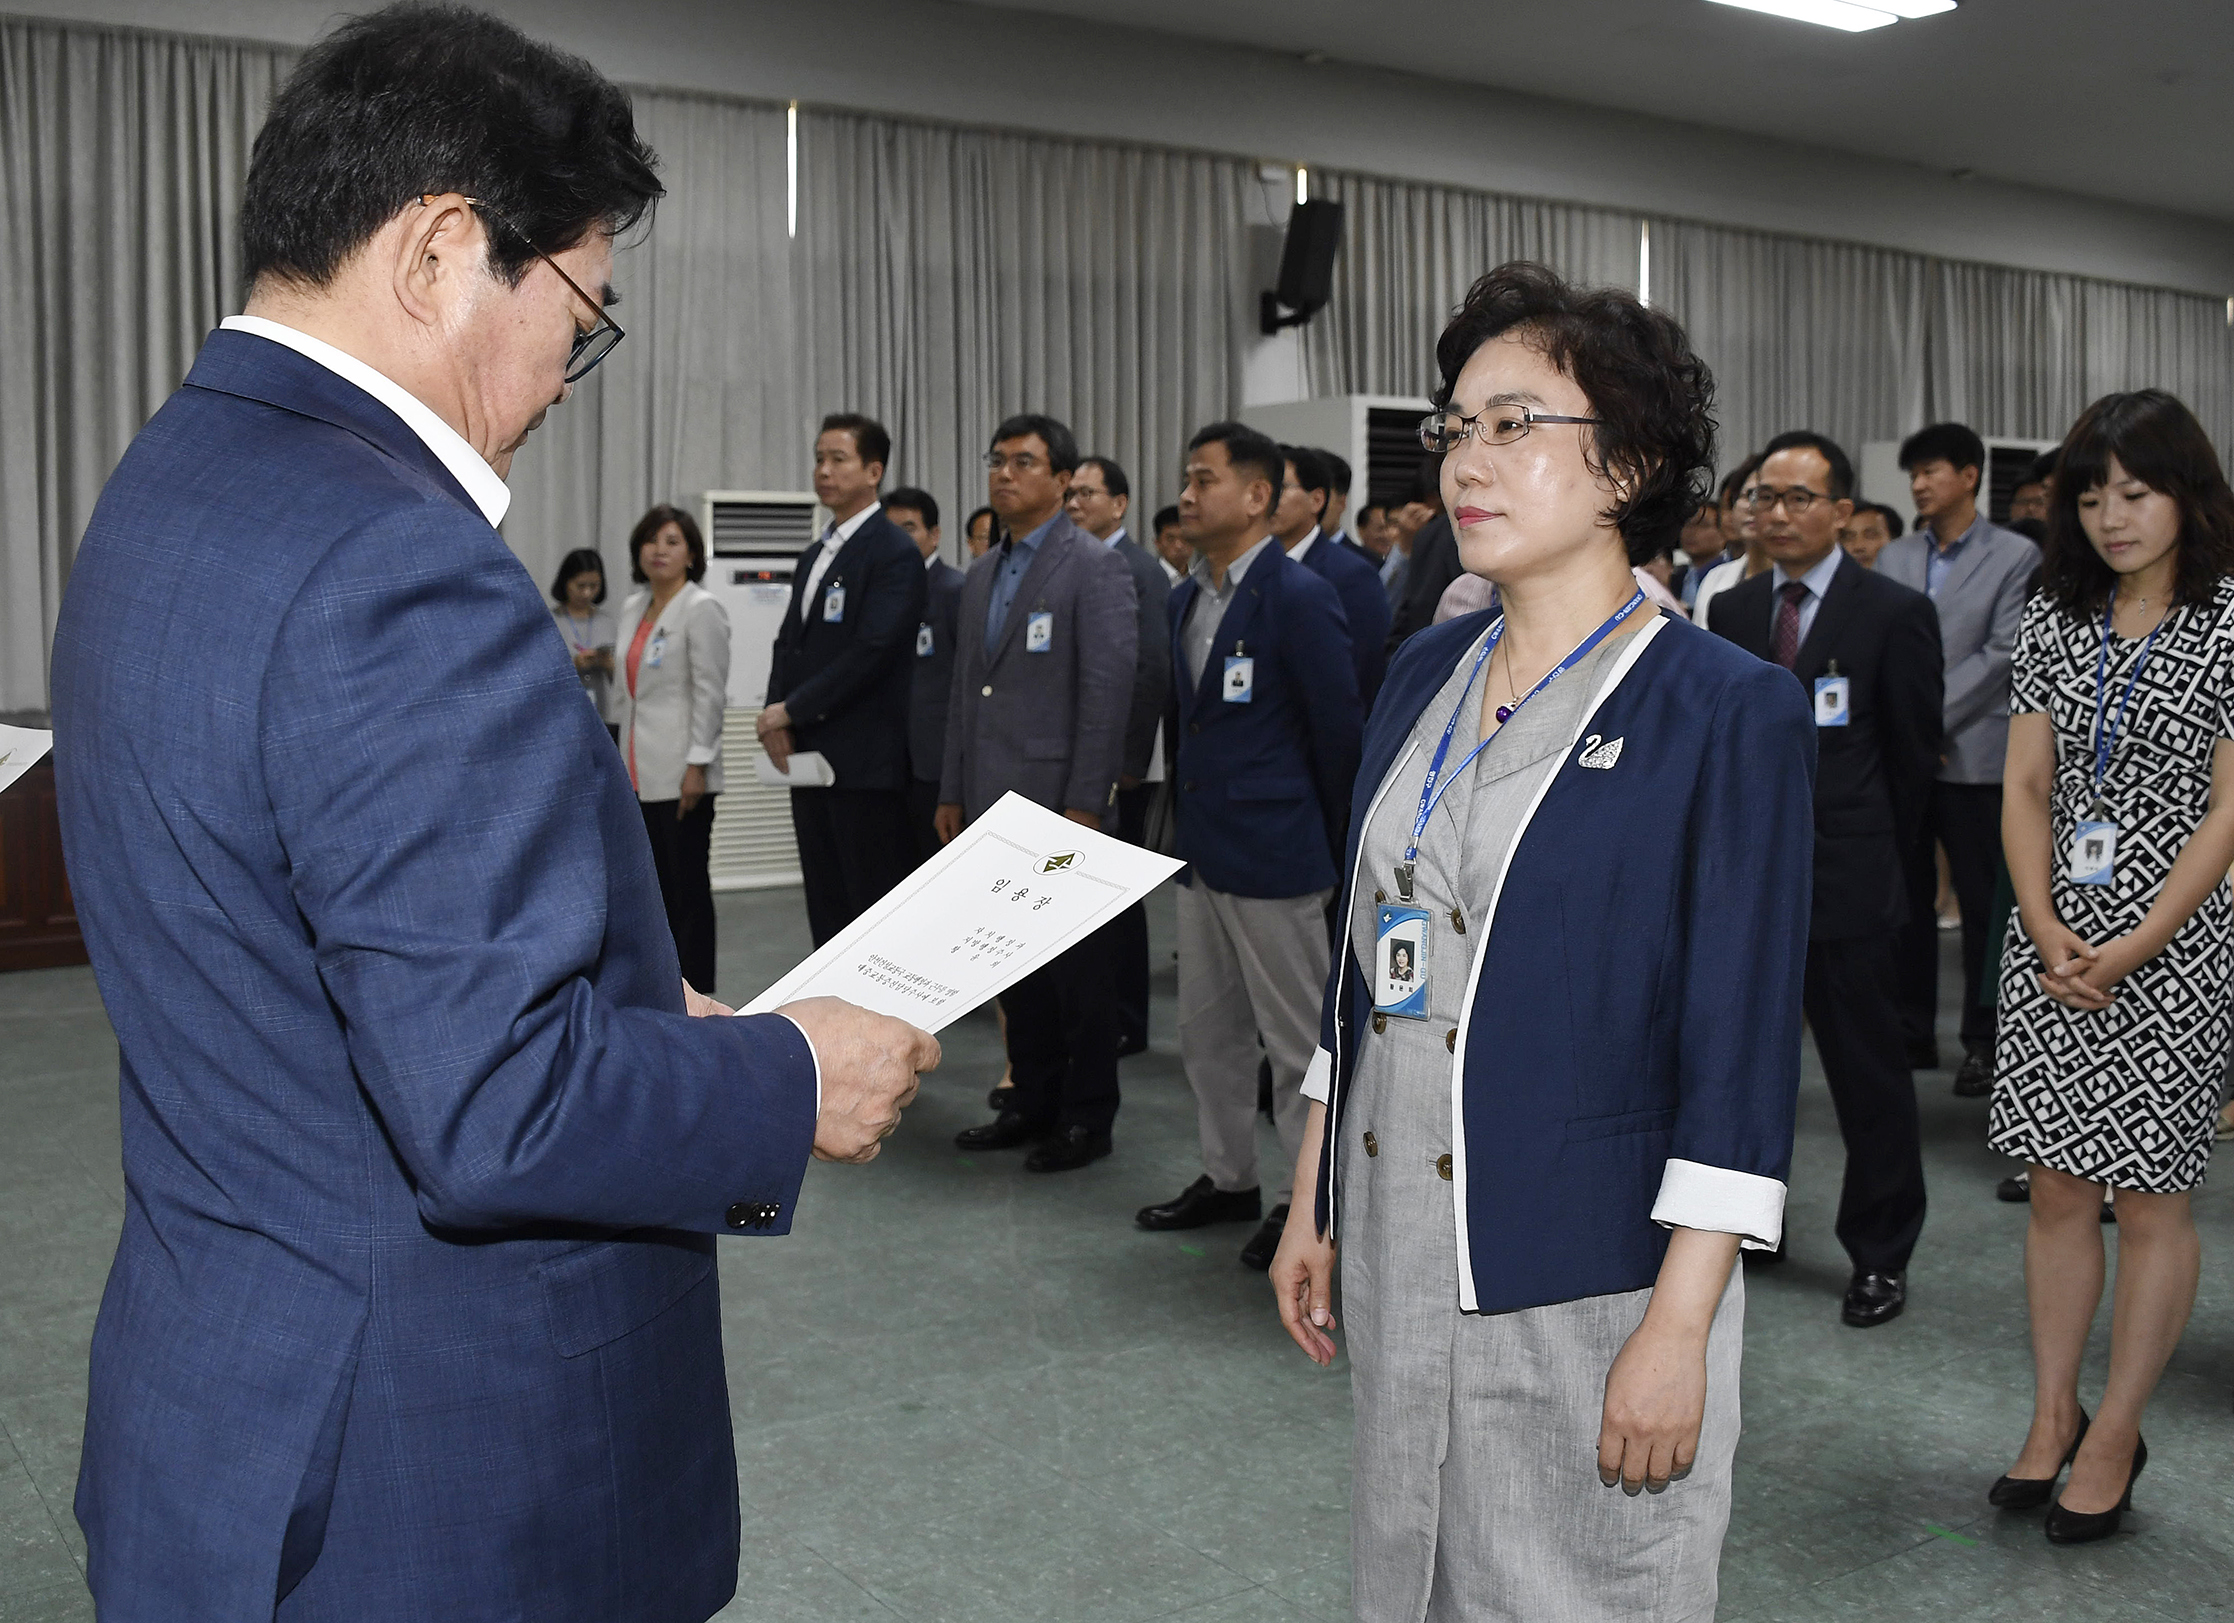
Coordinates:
(1305, 491)
(1865, 651)
(838, 681)
(414, 1313)
(917, 512)
(1267, 721)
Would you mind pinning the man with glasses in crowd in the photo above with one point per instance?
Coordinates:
(1978, 576)
(1043, 687)
(426, 1150)
(1866, 652)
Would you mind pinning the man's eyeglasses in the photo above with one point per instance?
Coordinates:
(1445, 431)
(589, 347)
(1797, 500)
(1021, 462)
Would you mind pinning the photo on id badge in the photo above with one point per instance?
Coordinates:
(2094, 853)
(1400, 962)
(1039, 632)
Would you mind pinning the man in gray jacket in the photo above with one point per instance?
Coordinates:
(1045, 648)
(1978, 575)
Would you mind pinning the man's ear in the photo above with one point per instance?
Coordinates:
(438, 240)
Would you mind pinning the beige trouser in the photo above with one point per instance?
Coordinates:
(1249, 967)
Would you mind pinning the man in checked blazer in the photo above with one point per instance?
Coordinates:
(1045, 647)
(414, 1313)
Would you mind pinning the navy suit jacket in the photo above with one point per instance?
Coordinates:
(845, 683)
(1357, 583)
(932, 672)
(1873, 776)
(1625, 1011)
(414, 1312)
(1264, 787)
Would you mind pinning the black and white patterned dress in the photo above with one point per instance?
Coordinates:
(2124, 1095)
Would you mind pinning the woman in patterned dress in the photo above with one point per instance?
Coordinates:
(2119, 826)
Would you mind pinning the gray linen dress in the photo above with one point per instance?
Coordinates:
(1475, 1494)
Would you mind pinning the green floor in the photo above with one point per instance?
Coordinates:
(964, 1393)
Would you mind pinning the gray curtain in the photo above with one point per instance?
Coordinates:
(941, 278)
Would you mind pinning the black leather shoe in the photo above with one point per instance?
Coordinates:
(1001, 1098)
(1976, 1078)
(1923, 1054)
(2073, 1527)
(1873, 1298)
(1199, 1205)
(1257, 1255)
(1007, 1131)
(2016, 1190)
(1068, 1149)
(2031, 1492)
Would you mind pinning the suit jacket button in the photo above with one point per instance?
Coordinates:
(1380, 1024)
(1194, 727)
(1443, 1167)
(986, 691)
(740, 1216)
(1450, 1039)
(1372, 1145)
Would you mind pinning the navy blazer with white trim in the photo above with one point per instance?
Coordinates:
(1629, 1053)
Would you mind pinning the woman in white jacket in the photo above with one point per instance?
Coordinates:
(667, 701)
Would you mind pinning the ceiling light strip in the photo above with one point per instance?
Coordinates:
(1839, 14)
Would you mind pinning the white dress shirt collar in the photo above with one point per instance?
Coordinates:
(1817, 580)
(842, 533)
(466, 465)
(833, 539)
(1303, 546)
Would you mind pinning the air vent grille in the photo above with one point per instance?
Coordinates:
(749, 522)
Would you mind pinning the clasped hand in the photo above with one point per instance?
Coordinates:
(2078, 974)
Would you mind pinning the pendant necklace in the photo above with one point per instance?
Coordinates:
(1505, 711)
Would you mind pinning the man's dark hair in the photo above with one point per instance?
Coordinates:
(2043, 469)
(1370, 507)
(870, 442)
(1166, 517)
(1736, 480)
(1111, 475)
(581, 561)
(1806, 439)
(1653, 398)
(1337, 470)
(920, 502)
(1950, 443)
(650, 525)
(421, 99)
(977, 513)
(1895, 525)
(1062, 449)
(1254, 455)
(1311, 473)
(2156, 440)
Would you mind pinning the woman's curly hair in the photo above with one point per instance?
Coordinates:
(1654, 398)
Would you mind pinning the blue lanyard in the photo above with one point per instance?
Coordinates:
(2106, 737)
(1432, 790)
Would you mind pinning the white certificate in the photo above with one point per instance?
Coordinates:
(21, 749)
(1007, 895)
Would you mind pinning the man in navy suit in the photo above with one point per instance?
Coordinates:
(1866, 651)
(1267, 722)
(917, 513)
(1099, 500)
(414, 1313)
(1336, 518)
(1304, 494)
(838, 681)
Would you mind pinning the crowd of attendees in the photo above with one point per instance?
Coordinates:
(1204, 687)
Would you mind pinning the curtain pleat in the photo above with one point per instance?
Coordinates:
(941, 279)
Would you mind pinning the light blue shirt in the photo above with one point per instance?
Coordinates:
(1936, 562)
(1816, 580)
(1016, 558)
(1115, 536)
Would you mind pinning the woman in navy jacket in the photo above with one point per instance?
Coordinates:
(1545, 1127)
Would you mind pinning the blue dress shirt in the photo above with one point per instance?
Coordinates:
(1938, 560)
(1016, 557)
(1816, 580)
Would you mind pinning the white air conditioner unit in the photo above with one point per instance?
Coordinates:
(753, 541)
(1377, 434)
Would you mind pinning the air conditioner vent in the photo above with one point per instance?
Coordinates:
(744, 523)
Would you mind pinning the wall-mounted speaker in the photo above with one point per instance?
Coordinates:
(1306, 266)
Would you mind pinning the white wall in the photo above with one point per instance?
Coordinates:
(975, 65)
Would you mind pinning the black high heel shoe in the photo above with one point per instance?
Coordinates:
(2072, 1527)
(2029, 1492)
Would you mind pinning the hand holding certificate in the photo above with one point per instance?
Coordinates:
(1008, 894)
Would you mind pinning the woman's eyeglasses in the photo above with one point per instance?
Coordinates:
(1446, 431)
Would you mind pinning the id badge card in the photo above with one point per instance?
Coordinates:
(657, 651)
(1039, 632)
(2094, 853)
(1830, 701)
(1241, 679)
(923, 647)
(1400, 962)
(834, 604)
